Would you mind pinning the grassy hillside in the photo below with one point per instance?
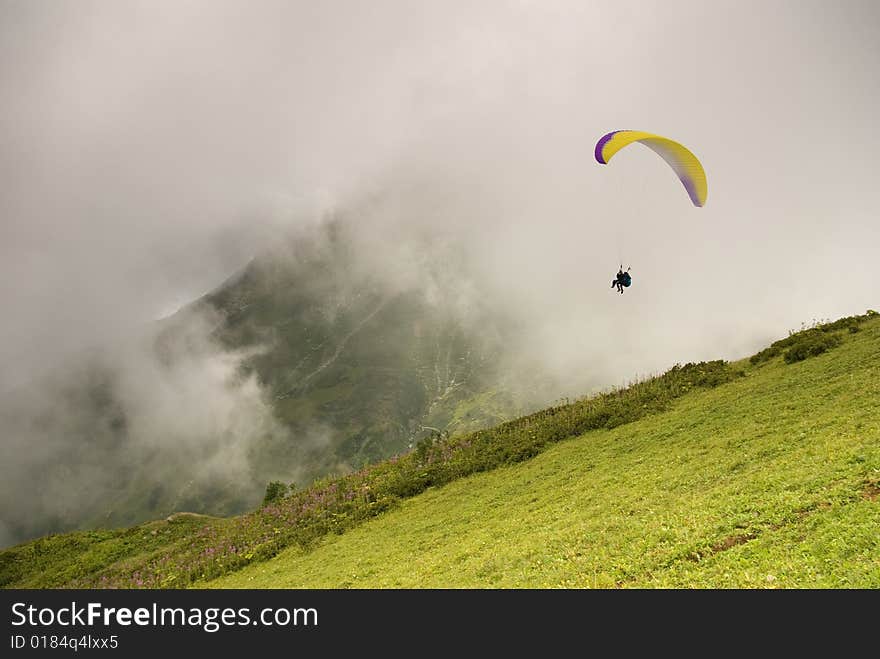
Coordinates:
(763, 473)
(771, 480)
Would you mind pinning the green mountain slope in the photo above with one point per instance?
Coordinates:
(763, 473)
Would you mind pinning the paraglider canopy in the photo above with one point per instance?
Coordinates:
(685, 164)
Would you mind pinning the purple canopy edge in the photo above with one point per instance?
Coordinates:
(601, 143)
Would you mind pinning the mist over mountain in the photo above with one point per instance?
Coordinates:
(315, 359)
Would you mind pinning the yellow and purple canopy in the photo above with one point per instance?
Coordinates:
(685, 163)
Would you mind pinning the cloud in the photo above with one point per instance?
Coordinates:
(165, 421)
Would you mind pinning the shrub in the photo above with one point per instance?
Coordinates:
(809, 338)
(765, 355)
(275, 491)
(811, 345)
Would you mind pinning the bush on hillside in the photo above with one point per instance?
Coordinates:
(809, 339)
(275, 491)
(810, 346)
(765, 355)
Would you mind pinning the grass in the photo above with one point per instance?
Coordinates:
(60, 559)
(771, 480)
(762, 473)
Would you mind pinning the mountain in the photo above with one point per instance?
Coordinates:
(319, 357)
(369, 364)
(761, 473)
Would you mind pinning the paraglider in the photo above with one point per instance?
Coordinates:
(685, 164)
(682, 161)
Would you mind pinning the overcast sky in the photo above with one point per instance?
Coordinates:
(147, 149)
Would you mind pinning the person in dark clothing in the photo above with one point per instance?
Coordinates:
(622, 279)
